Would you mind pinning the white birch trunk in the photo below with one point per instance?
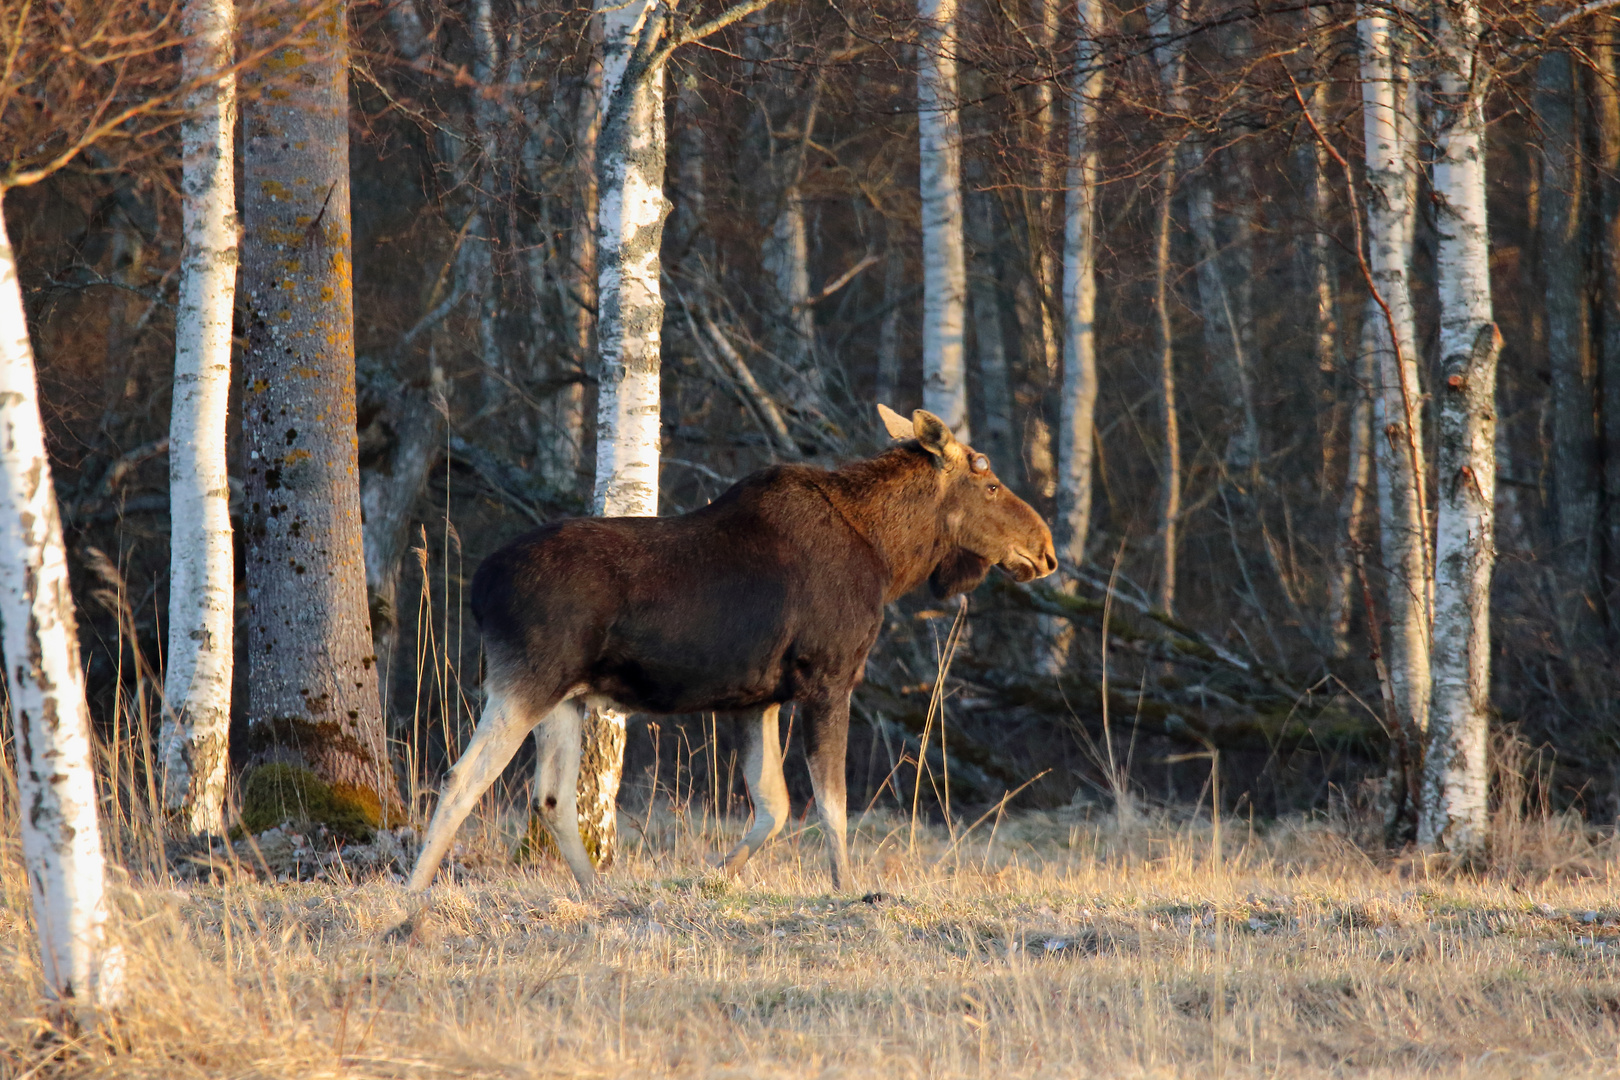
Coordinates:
(1452, 808)
(193, 740)
(630, 304)
(630, 315)
(944, 255)
(1077, 428)
(1391, 159)
(56, 782)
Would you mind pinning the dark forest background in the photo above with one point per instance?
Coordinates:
(480, 327)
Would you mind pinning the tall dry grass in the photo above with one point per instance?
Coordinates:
(1059, 946)
(1067, 944)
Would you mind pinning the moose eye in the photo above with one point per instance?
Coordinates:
(993, 488)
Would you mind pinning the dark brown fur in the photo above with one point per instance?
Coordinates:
(772, 593)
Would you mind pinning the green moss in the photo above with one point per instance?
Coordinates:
(274, 793)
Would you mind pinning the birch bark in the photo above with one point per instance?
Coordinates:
(944, 256)
(1391, 159)
(1077, 429)
(56, 783)
(630, 313)
(1452, 809)
(193, 739)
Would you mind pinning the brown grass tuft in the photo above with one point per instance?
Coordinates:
(1064, 947)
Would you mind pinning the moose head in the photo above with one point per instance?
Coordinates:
(981, 523)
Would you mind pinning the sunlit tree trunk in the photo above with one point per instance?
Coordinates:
(944, 257)
(1391, 157)
(1329, 359)
(1167, 56)
(313, 694)
(1037, 305)
(56, 783)
(1452, 810)
(630, 312)
(193, 739)
(1077, 429)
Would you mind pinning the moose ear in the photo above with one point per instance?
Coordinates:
(897, 426)
(935, 437)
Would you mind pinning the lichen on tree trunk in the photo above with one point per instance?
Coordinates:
(312, 686)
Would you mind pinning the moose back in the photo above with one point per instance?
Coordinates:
(772, 593)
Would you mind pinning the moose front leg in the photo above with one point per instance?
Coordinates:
(762, 768)
(827, 730)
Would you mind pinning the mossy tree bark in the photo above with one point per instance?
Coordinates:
(312, 695)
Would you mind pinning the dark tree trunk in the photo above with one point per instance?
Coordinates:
(312, 697)
(1606, 99)
(1568, 344)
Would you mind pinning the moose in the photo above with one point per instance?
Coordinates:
(772, 593)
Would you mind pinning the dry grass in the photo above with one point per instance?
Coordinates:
(1063, 948)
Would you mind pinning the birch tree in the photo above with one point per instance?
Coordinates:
(939, 133)
(56, 783)
(636, 43)
(193, 740)
(1452, 809)
(313, 693)
(1391, 159)
(1077, 431)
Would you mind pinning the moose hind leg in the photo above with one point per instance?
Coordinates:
(556, 786)
(507, 719)
(762, 768)
(827, 729)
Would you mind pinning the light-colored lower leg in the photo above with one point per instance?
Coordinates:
(827, 781)
(499, 733)
(762, 768)
(556, 787)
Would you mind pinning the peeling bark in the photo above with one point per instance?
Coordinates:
(1391, 160)
(1452, 810)
(193, 742)
(944, 256)
(56, 782)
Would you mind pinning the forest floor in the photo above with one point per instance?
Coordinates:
(1060, 947)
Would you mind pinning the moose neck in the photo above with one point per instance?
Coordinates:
(892, 500)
